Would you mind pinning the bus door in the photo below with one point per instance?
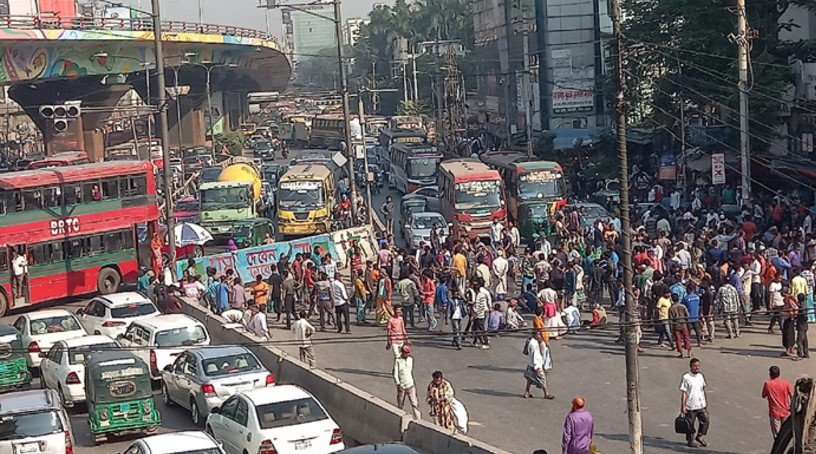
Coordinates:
(19, 290)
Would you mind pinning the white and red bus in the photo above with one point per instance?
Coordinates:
(77, 227)
(472, 195)
(414, 165)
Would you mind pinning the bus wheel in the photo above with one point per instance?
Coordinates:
(108, 281)
(3, 304)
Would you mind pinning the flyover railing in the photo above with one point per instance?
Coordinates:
(52, 22)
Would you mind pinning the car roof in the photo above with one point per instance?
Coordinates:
(185, 441)
(274, 394)
(168, 321)
(219, 351)
(87, 340)
(385, 448)
(7, 329)
(430, 214)
(122, 299)
(28, 400)
(46, 313)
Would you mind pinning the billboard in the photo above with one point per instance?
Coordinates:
(573, 84)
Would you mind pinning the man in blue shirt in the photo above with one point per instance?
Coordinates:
(222, 295)
(692, 303)
(442, 297)
(678, 289)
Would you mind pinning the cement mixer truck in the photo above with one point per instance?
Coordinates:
(233, 202)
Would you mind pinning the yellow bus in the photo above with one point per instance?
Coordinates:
(305, 200)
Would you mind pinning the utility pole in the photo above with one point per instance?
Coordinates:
(414, 74)
(165, 134)
(338, 24)
(742, 40)
(631, 346)
(526, 81)
(361, 114)
(682, 129)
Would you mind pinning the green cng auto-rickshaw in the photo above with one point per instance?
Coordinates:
(119, 395)
(251, 232)
(14, 371)
(533, 218)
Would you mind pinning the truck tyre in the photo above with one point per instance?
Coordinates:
(108, 281)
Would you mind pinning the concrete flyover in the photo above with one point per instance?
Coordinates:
(96, 60)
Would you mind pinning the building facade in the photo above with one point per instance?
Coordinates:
(307, 33)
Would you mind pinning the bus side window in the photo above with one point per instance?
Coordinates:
(75, 249)
(50, 197)
(19, 206)
(4, 199)
(110, 188)
(73, 194)
(33, 199)
(39, 254)
(113, 242)
(94, 245)
(4, 266)
(56, 252)
(127, 239)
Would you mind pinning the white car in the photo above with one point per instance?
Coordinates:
(279, 419)
(112, 314)
(176, 443)
(33, 421)
(418, 228)
(41, 329)
(426, 192)
(158, 340)
(63, 367)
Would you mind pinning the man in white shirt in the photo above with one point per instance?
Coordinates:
(340, 299)
(303, 334)
(19, 269)
(257, 323)
(496, 234)
(515, 235)
(404, 378)
(693, 403)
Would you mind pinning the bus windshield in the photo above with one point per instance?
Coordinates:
(422, 167)
(477, 194)
(542, 184)
(224, 198)
(301, 194)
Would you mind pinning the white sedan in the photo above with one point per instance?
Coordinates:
(175, 443)
(112, 314)
(41, 329)
(279, 419)
(418, 228)
(63, 367)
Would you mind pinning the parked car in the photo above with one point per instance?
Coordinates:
(176, 443)
(385, 448)
(160, 339)
(418, 227)
(428, 192)
(112, 314)
(41, 329)
(410, 205)
(275, 419)
(63, 366)
(201, 379)
(13, 364)
(590, 212)
(34, 421)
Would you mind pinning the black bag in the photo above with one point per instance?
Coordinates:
(526, 350)
(682, 425)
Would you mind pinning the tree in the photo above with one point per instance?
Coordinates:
(680, 49)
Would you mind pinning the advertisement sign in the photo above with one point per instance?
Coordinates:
(668, 167)
(717, 168)
(260, 260)
(573, 84)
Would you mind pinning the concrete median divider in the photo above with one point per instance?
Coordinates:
(364, 418)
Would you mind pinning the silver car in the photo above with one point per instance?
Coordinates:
(202, 378)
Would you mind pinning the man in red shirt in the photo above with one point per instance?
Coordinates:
(778, 391)
(395, 331)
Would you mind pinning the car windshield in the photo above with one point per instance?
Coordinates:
(477, 194)
(290, 413)
(33, 424)
(422, 167)
(263, 146)
(58, 324)
(210, 174)
(78, 355)
(186, 205)
(426, 222)
(178, 337)
(133, 310)
(224, 198)
(232, 364)
(541, 184)
(594, 212)
(304, 194)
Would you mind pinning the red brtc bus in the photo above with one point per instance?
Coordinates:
(472, 195)
(76, 226)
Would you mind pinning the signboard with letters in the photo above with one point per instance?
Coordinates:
(717, 168)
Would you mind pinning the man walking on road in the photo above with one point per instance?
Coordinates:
(341, 303)
(693, 403)
(395, 332)
(778, 391)
(303, 333)
(578, 429)
(404, 377)
(387, 210)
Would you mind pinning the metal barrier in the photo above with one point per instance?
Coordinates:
(53, 22)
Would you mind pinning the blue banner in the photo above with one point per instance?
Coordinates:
(260, 260)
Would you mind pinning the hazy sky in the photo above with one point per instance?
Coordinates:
(242, 13)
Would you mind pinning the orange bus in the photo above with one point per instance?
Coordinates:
(472, 195)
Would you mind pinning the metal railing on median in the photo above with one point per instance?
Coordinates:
(52, 22)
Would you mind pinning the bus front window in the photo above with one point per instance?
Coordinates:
(224, 198)
(540, 185)
(301, 195)
(478, 195)
(422, 167)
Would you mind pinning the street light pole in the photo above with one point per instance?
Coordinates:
(165, 134)
(338, 24)
(361, 113)
(178, 107)
(149, 108)
(209, 110)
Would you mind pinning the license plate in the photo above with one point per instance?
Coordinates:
(124, 407)
(303, 444)
(3, 368)
(27, 447)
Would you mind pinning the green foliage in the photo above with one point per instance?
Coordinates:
(680, 49)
